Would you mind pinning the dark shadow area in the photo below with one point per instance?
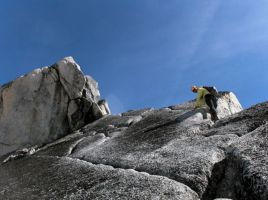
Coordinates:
(227, 181)
(217, 176)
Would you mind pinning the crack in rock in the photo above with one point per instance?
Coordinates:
(74, 146)
(5, 144)
(111, 166)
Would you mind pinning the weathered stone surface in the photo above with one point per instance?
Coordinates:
(241, 123)
(250, 157)
(246, 166)
(142, 112)
(169, 153)
(160, 142)
(222, 199)
(170, 150)
(228, 104)
(70, 77)
(38, 107)
(67, 178)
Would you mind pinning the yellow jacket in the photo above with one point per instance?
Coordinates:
(200, 100)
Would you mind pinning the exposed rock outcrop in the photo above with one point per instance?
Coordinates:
(46, 104)
(168, 153)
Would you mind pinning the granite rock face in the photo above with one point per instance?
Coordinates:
(76, 179)
(168, 153)
(47, 104)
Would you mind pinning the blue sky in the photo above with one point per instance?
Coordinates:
(143, 53)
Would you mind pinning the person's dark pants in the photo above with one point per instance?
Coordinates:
(211, 101)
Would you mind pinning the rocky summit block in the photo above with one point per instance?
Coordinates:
(46, 104)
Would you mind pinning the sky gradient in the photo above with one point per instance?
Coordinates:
(143, 53)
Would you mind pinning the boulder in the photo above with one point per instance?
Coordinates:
(46, 104)
(228, 104)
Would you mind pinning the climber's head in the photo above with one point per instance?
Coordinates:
(194, 89)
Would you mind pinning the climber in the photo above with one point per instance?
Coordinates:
(204, 96)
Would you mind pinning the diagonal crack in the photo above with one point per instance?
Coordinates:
(135, 170)
(74, 146)
(6, 144)
(114, 167)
